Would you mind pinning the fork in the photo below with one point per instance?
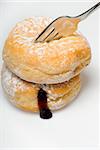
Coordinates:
(63, 26)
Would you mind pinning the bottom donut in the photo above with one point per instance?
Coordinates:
(26, 95)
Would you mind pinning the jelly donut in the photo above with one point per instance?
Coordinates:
(25, 94)
(51, 62)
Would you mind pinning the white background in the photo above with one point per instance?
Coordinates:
(77, 124)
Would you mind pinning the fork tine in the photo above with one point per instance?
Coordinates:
(49, 34)
(57, 36)
(37, 39)
(44, 33)
(52, 37)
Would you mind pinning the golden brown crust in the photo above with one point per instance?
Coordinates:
(24, 94)
(44, 63)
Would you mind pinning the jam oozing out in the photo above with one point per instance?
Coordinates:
(45, 112)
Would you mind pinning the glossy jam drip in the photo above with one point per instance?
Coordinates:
(45, 112)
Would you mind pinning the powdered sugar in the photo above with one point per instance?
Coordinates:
(11, 83)
(40, 51)
(29, 29)
(50, 60)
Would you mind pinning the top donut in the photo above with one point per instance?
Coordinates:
(44, 63)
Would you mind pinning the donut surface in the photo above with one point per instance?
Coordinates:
(24, 94)
(44, 63)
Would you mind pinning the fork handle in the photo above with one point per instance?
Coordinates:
(88, 12)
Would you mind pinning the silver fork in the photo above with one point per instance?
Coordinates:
(63, 26)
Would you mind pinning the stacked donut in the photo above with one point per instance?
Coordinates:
(42, 76)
